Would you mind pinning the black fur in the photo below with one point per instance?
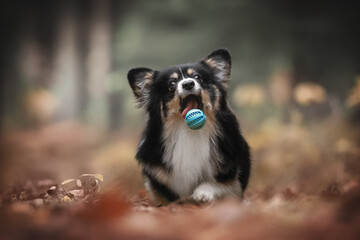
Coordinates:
(160, 188)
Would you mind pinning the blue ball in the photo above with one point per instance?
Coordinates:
(195, 119)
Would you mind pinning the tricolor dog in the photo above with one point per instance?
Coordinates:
(180, 163)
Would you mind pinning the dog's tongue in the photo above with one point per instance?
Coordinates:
(191, 104)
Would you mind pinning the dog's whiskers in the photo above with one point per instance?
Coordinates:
(181, 73)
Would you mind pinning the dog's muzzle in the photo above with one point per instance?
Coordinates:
(189, 92)
(188, 86)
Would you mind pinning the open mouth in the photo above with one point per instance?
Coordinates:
(190, 102)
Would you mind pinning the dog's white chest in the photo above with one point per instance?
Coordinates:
(188, 152)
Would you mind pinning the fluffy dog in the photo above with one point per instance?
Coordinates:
(180, 163)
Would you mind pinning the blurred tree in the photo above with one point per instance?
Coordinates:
(71, 47)
(63, 46)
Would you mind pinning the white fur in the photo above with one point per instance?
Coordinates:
(222, 73)
(183, 92)
(143, 91)
(205, 192)
(148, 189)
(187, 151)
(209, 191)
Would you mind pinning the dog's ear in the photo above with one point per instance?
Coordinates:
(141, 80)
(220, 61)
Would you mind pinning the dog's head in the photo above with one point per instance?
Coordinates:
(176, 90)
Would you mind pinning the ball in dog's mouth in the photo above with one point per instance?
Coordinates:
(195, 119)
(190, 102)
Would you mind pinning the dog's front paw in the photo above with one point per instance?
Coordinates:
(203, 193)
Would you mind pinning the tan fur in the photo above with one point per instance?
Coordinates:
(141, 89)
(156, 199)
(149, 75)
(148, 78)
(190, 71)
(160, 174)
(220, 68)
(174, 75)
(208, 108)
(211, 62)
(217, 96)
(173, 108)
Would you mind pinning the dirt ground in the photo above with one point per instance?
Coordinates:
(67, 181)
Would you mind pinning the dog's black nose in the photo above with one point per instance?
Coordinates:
(188, 85)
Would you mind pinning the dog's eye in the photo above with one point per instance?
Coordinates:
(198, 77)
(172, 85)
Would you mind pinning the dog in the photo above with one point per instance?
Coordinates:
(179, 163)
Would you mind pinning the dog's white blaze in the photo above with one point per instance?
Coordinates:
(188, 152)
(183, 92)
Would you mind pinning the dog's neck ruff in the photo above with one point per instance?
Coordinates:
(187, 152)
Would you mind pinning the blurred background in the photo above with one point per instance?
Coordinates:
(66, 107)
